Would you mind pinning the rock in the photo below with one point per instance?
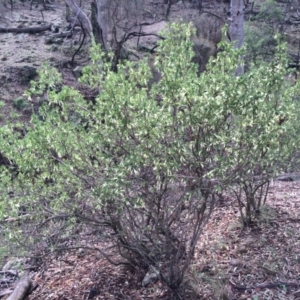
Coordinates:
(78, 71)
(49, 40)
(124, 53)
(54, 29)
(53, 48)
(58, 41)
(243, 249)
(236, 262)
(151, 276)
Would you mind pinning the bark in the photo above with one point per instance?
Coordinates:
(21, 289)
(32, 30)
(97, 31)
(169, 4)
(117, 55)
(237, 27)
(82, 17)
(102, 19)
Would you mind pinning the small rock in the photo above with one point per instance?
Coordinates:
(236, 262)
(124, 53)
(54, 29)
(80, 252)
(151, 276)
(58, 41)
(78, 71)
(53, 48)
(49, 40)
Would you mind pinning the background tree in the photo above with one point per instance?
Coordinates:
(115, 22)
(237, 27)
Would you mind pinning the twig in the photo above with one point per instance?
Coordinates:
(81, 44)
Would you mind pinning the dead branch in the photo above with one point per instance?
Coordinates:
(82, 17)
(5, 292)
(21, 289)
(9, 272)
(17, 219)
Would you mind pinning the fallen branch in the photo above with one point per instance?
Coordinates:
(21, 289)
(17, 219)
(31, 30)
(9, 272)
(5, 292)
(288, 177)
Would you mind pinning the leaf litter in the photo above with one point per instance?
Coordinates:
(261, 262)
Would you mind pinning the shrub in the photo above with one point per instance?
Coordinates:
(142, 164)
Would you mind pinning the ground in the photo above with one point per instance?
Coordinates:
(262, 262)
(21, 51)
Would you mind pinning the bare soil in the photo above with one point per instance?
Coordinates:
(262, 262)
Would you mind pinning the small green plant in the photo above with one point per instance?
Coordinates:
(270, 12)
(2, 104)
(14, 115)
(20, 103)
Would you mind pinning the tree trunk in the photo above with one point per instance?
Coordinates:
(237, 27)
(116, 58)
(97, 30)
(82, 17)
(102, 19)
